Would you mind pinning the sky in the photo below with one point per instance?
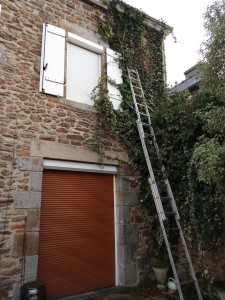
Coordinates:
(186, 18)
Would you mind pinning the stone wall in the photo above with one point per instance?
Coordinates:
(34, 126)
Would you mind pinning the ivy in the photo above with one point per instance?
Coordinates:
(195, 158)
(189, 129)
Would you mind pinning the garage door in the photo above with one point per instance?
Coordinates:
(76, 247)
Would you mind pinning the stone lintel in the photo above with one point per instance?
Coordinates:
(53, 150)
(30, 163)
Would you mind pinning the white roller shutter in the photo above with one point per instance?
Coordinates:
(114, 73)
(52, 60)
(83, 72)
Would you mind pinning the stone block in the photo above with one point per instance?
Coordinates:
(28, 199)
(7, 263)
(16, 292)
(17, 248)
(36, 181)
(123, 214)
(31, 268)
(127, 275)
(33, 220)
(128, 234)
(32, 240)
(127, 198)
(122, 185)
(2, 57)
(30, 164)
(124, 254)
(10, 272)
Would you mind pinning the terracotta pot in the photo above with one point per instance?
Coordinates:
(161, 274)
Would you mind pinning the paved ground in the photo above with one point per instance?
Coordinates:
(125, 294)
(154, 295)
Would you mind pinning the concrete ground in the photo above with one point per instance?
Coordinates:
(129, 297)
(133, 297)
(152, 295)
(125, 294)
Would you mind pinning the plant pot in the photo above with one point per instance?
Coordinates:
(161, 274)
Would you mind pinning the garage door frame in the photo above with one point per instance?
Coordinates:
(49, 164)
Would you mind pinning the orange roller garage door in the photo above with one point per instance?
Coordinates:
(76, 247)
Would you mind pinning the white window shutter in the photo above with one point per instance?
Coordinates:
(52, 60)
(114, 73)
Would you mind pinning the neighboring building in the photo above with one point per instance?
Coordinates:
(64, 219)
(191, 82)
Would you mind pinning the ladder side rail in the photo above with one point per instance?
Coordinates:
(169, 190)
(154, 188)
(173, 202)
(134, 97)
(171, 260)
(155, 192)
(149, 120)
(166, 181)
(189, 260)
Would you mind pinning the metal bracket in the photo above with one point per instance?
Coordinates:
(54, 80)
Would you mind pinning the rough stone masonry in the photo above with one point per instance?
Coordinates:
(35, 126)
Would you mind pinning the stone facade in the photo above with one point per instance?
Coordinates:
(36, 126)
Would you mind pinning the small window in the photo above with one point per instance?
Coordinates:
(83, 67)
(83, 72)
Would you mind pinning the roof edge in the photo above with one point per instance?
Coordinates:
(149, 21)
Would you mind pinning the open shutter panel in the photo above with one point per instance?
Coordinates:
(114, 73)
(52, 60)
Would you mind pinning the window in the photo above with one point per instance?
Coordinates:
(83, 67)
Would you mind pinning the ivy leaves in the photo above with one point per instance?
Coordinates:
(191, 134)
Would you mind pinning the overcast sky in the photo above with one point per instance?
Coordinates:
(185, 16)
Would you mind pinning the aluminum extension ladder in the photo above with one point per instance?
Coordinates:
(161, 191)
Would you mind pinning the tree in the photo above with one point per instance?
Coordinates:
(212, 68)
(209, 154)
(191, 132)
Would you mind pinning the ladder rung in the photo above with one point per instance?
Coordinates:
(161, 183)
(136, 87)
(143, 114)
(145, 124)
(149, 135)
(178, 245)
(165, 198)
(141, 104)
(181, 264)
(132, 71)
(140, 96)
(151, 157)
(187, 281)
(173, 228)
(158, 171)
(134, 78)
(170, 213)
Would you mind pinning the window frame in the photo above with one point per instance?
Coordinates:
(54, 62)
